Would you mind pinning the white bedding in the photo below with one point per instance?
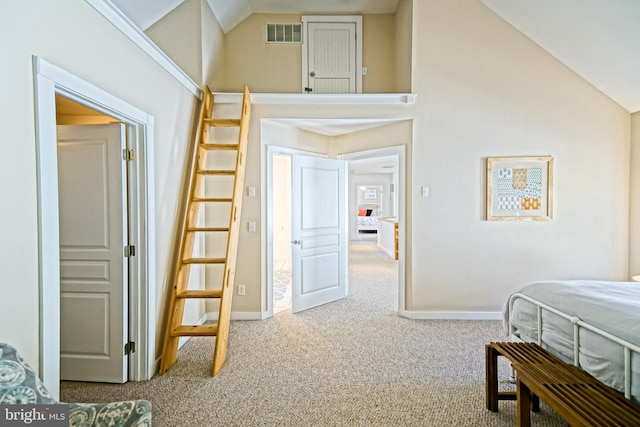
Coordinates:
(611, 306)
(367, 223)
(368, 216)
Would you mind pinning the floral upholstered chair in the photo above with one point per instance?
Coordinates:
(19, 384)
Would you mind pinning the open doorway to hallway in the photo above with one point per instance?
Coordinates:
(383, 170)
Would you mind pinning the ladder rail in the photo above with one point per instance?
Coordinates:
(176, 305)
(189, 227)
(224, 313)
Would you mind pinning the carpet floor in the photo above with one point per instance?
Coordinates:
(353, 362)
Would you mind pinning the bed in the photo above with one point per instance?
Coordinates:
(368, 216)
(592, 324)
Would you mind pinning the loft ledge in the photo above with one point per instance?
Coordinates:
(318, 98)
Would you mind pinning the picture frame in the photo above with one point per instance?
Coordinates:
(520, 188)
(370, 193)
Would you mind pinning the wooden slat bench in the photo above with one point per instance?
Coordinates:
(575, 395)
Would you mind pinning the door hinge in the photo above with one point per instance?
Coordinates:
(129, 251)
(129, 348)
(128, 154)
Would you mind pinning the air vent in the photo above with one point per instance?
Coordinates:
(284, 33)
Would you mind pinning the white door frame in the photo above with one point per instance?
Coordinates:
(401, 152)
(49, 81)
(267, 190)
(305, 46)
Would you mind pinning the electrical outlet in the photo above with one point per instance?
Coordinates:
(252, 227)
(242, 290)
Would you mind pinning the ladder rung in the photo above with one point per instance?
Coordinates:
(231, 147)
(195, 331)
(201, 293)
(216, 172)
(204, 261)
(212, 200)
(207, 229)
(223, 122)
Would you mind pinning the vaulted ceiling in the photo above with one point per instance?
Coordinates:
(598, 39)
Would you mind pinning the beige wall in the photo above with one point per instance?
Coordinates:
(634, 197)
(192, 37)
(179, 35)
(119, 68)
(378, 47)
(271, 67)
(212, 49)
(484, 89)
(403, 45)
(265, 67)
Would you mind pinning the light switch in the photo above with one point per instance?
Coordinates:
(251, 191)
(252, 227)
(425, 191)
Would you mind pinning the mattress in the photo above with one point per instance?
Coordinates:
(613, 307)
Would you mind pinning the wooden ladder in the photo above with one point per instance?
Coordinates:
(198, 199)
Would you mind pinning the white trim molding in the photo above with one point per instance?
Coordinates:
(114, 15)
(318, 98)
(50, 80)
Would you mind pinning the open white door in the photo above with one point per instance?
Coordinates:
(93, 269)
(318, 230)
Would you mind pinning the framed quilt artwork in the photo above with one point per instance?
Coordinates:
(519, 188)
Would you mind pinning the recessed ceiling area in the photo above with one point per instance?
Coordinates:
(374, 165)
(385, 164)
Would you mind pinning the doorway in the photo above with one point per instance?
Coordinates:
(279, 234)
(332, 54)
(94, 229)
(49, 82)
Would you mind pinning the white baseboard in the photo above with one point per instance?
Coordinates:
(453, 315)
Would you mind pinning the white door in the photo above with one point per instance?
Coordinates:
(331, 50)
(318, 232)
(93, 269)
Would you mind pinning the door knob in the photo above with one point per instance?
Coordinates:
(312, 74)
(296, 242)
